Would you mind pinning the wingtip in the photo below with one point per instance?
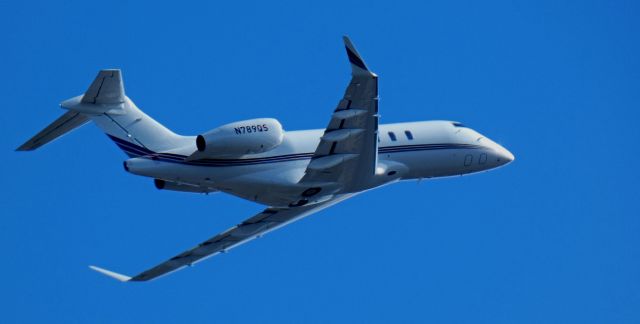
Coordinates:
(357, 63)
(114, 275)
(25, 147)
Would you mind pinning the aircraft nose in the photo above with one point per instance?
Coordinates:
(503, 155)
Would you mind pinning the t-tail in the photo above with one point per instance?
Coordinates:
(106, 104)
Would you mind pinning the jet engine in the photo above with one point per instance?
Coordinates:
(240, 138)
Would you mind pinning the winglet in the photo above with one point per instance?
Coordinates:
(111, 274)
(357, 64)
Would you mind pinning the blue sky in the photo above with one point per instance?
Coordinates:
(551, 238)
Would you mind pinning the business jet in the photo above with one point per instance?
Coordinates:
(293, 173)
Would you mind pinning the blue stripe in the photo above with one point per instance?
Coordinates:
(426, 147)
(130, 150)
(133, 150)
(262, 159)
(126, 145)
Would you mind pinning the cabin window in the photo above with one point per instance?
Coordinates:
(409, 135)
(392, 136)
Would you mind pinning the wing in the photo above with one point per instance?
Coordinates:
(268, 220)
(348, 150)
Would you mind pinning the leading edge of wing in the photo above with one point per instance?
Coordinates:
(264, 222)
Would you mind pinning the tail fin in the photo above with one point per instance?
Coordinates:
(106, 104)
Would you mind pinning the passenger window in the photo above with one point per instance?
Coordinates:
(409, 135)
(392, 136)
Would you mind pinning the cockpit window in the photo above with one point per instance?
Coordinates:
(457, 124)
(392, 136)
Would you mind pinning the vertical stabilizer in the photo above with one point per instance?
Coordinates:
(106, 89)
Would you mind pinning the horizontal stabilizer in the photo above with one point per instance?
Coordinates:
(114, 275)
(66, 123)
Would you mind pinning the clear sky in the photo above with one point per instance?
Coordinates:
(551, 238)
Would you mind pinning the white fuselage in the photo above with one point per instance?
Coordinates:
(411, 150)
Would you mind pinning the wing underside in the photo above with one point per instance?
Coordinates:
(256, 226)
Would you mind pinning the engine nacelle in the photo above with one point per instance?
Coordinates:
(243, 137)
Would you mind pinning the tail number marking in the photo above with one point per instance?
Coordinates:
(251, 129)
